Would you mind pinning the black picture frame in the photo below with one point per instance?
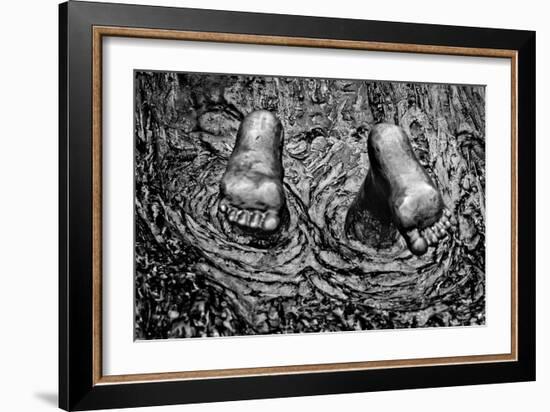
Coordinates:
(77, 389)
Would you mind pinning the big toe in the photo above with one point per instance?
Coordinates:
(271, 222)
(416, 243)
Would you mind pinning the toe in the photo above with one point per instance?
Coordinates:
(430, 236)
(243, 218)
(271, 222)
(417, 244)
(223, 206)
(255, 220)
(439, 230)
(232, 215)
(447, 213)
(445, 222)
(426, 237)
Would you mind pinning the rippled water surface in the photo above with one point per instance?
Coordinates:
(196, 277)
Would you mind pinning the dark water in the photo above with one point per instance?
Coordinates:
(311, 277)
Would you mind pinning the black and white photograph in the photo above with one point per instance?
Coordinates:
(279, 205)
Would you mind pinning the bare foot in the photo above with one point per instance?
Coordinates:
(398, 188)
(251, 188)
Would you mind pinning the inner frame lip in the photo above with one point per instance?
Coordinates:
(99, 31)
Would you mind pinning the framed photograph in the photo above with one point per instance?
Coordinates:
(257, 205)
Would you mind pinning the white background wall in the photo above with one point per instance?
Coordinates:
(28, 204)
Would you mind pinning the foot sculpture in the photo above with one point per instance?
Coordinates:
(251, 189)
(397, 188)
